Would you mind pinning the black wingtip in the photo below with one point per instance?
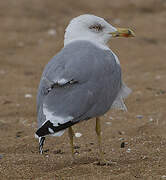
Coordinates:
(48, 128)
(44, 129)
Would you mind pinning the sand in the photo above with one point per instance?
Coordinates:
(31, 32)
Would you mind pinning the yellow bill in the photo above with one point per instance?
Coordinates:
(123, 32)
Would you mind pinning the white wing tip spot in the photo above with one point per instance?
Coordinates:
(50, 130)
(28, 95)
(62, 81)
(78, 135)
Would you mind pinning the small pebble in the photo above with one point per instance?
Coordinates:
(121, 139)
(108, 123)
(121, 132)
(163, 177)
(158, 77)
(76, 152)
(128, 150)
(122, 145)
(28, 96)
(46, 150)
(78, 135)
(151, 119)
(51, 32)
(144, 157)
(160, 92)
(18, 134)
(139, 116)
(110, 117)
(59, 151)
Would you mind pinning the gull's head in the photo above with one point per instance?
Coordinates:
(93, 28)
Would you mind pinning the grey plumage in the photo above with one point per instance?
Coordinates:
(82, 81)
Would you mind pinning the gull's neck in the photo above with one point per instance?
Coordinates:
(93, 41)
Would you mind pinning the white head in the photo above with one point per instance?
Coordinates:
(92, 28)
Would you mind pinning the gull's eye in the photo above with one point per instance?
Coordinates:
(96, 27)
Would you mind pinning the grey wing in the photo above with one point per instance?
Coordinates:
(76, 89)
(64, 98)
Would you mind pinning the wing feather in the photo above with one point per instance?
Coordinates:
(80, 82)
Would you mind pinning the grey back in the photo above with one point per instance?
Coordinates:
(97, 77)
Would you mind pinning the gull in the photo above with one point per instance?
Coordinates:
(83, 81)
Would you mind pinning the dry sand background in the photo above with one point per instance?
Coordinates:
(26, 45)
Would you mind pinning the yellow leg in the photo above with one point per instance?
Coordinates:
(102, 161)
(71, 134)
(98, 132)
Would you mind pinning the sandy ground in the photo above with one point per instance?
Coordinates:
(28, 41)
